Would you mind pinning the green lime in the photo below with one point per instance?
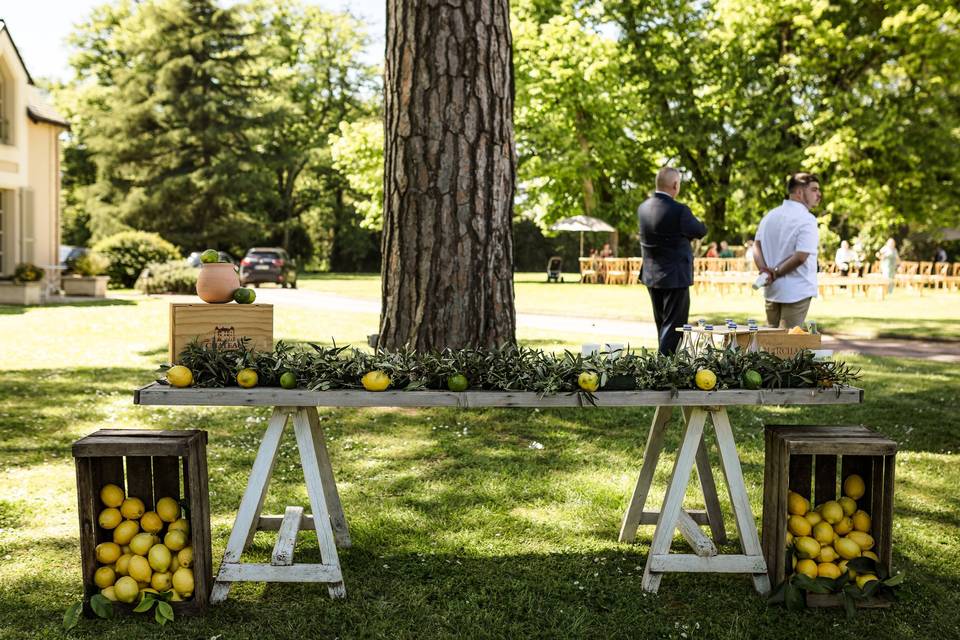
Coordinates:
(458, 382)
(751, 379)
(288, 380)
(244, 295)
(209, 256)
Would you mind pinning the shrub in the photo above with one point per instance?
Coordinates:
(90, 264)
(26, 272)
(130, 251)
(175, 276)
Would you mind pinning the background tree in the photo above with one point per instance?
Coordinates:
(449, 176)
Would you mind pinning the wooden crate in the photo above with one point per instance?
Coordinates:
(225, 324)
(806, 459)
(780, 343)
(148, 465)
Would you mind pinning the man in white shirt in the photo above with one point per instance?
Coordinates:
(786, 250)
(845, 258)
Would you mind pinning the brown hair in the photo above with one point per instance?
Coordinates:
(798, 180)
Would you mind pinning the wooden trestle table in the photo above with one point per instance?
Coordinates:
(330, 524)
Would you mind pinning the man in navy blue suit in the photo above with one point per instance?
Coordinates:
(666, 229)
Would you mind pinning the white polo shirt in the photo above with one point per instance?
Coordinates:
(782, 232)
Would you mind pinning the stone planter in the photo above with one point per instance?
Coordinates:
(95, 286)
(20, 292)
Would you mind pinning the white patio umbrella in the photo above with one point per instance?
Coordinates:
(581, 224)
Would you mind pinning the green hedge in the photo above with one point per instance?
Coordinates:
(130, 251)
(175, 276)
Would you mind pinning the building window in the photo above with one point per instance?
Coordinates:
(4, 120)
(3, 220)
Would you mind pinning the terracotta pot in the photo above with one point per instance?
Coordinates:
(217, 282)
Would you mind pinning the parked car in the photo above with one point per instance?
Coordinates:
(68, 255)
(194, 258)
(268, 264)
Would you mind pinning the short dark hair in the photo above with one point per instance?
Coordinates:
(800, 180)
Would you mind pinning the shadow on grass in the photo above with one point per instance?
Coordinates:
(12, 309)
(104, 302)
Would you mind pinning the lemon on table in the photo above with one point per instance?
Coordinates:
(458, 382)
(179, 376)
(247, 378)
(705, 379)
(288, 380)
(244, 295)
(751, 379)
(375, 381)
(588, 381)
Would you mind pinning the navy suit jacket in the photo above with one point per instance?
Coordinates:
(666, 229)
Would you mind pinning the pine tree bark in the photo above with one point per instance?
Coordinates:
(449, 172)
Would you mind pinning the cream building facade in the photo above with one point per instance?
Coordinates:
(29, 169)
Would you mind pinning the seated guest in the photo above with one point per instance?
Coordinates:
(711, 251)
(845, 258)
(725, 250)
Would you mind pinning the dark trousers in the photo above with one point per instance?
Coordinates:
(671, 307)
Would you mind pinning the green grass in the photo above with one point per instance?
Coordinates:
(460, 528)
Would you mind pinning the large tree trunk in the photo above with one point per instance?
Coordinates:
(449, 172)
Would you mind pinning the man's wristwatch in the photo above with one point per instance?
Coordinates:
(776, 272)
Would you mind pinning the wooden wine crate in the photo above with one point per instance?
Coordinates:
(148, 465)
(780, 343)
(224, 324)
(806, 459)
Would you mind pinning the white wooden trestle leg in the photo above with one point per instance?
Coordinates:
(327, 520)
(660, 560)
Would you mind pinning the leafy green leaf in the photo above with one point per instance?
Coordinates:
(894, 580)
(813, 585)
(72, 615)
(165, 610)
(101, 605)
(849, 604)
(159, 617)
(144, 605)
(794, 598)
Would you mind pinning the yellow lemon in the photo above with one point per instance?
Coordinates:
(843, 567)
(863, 540)
(132, 508)
(141, 543)
(375, 381)
(180, 525)
(151, 522)
(828, 570)
(862, 580)
(807, 567)
(159, 558)
(847, 548)
(796, 504)
(588, 381)
(124, 533)
(861, 521)
(109, 518)
(844, 527)
(853, 487)
(798, 526)
(848, 504)
(789, 538)
(185, 556)
(126, 589)
(705, 379)
(831, 511)
(806, 547)
(247, 378)
(104, 577)
(179, 376)
(813, 518)
(125, 548)
(123, 564)
(168, 509)
(828, 554)
(111, 495)
(107, 552)
(139, 569)
(175, 597)
(145, 590)
(871, 555)
(823, 533)
(109, 593)
(174, 564)
(175, 540)
(161, 581)
(183, 582)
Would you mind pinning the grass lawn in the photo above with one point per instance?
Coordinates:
(461, 525)
(903, 315)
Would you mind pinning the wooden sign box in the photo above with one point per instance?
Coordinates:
(225, 324)
(780, 343)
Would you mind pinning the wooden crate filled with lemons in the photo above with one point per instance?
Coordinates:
(826, 538)
(150, 551)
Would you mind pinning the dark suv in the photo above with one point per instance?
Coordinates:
(268, 264)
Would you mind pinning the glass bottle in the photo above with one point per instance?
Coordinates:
(686, 342)
(754, 345)
(730, 341)
(706, 342)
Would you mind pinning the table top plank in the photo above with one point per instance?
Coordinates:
(164, 395)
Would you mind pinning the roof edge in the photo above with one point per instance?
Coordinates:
(38, 118)
(4, 27)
